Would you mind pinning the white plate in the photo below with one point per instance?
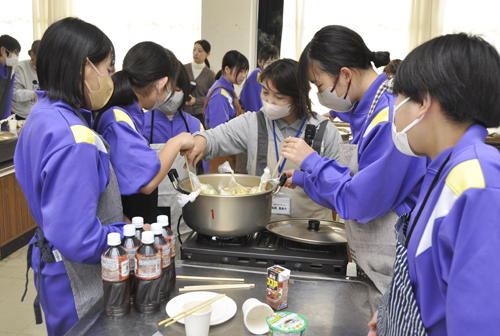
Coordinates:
(222, 309)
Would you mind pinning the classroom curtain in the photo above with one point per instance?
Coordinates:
(426, 21)
(46, 12)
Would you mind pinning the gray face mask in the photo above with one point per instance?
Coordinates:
(172, 105)
(158, 102)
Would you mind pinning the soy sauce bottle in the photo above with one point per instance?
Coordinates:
(139, 226)
(115, 275)
(164, 246)
(147, 276)
(131, 244)
(170, 236)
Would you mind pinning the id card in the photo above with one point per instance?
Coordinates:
(282, 204)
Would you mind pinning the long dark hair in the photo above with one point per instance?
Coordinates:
(234, 60)
(206, 48)
(332, 48)
(62, 57)
(282, 74)
(184, 83)
(143, 65)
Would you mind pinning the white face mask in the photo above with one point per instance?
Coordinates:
(172, 105)
(12, 61)
(158, 102)
(275, 112)
(330, 99)
(400, 138)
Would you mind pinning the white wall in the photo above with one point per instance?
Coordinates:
(229, 25)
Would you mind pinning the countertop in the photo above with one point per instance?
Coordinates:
(332, 306)
(7, 168)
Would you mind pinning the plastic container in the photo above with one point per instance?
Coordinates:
(170, 236)
(147, 276)
(131, 244)
(286, 324)
(115, 275)
(164, 246)
(138, 222)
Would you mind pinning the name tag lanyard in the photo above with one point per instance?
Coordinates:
(280, 168)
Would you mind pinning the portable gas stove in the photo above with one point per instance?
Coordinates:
(264, 249)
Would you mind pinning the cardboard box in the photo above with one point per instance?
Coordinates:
(277, 287)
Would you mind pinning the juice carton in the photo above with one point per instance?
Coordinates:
(277, 287)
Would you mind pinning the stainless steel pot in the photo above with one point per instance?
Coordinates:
(227, 216)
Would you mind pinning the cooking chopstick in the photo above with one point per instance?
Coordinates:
(191, 310)
(215, 287)
(277, 166)
(188, 277)
(189, 172)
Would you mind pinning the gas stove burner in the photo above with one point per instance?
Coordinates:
(222, 241)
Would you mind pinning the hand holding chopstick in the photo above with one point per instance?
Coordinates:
(185, 313)
(277, 166)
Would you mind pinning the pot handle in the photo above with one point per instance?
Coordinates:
(283, 179)
(174, 178)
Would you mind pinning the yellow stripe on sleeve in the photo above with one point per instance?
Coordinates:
(82, 134)
(465, 175)
(380, 117)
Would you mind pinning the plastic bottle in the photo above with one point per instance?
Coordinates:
(147, 276)
(170, 236)
(130, 244)
(164, 246)
(115, 275)
(139, 226)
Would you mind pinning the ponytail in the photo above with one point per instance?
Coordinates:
(123, 94)
(218, 75)
(207, 63)
(380, 58)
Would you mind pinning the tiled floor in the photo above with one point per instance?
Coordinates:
(16, 317)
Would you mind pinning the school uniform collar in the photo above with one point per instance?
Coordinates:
(366, 102)
(136, 113)
(224, 82)
(281, 124)
(4, 70)
(45, 102)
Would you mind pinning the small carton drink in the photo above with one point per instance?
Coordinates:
(277, 287)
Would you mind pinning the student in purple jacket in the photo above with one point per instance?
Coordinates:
(250, 100)
(146, 82)
(64, 170)
(447, 275)
(372, 183)
(222, 103)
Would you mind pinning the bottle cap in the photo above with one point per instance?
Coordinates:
(114, 239)
(137, 220)
(156, 228)
(162, 219)
(148, 237)
(129, 230)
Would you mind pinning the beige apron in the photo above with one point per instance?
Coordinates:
(372, 244)
(167, 195)
(302, 206)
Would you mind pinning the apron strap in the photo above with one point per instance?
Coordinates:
(45, 255)
(262, 144)
(318, 137)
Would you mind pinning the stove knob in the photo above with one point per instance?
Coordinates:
(297, 266)
(225, 260)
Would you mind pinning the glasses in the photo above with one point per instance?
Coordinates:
(336, 81)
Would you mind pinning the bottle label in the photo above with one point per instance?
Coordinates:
(115, 269)
(131, 255)
(147, 267)
(165, 252)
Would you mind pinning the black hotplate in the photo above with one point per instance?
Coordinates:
(264, 249)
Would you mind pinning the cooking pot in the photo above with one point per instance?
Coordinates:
(227, 216)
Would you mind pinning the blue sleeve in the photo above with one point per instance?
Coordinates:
(218, 110)
(250, 95)
(385, 180)
(468, 239)
(73, 179)
(345, 116)
(8, 104)
(134, 162)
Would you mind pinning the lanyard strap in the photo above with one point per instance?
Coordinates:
(434, 181)
(280, 168)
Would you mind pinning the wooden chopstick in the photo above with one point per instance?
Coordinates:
(191, 310)
(189, 173)
(277, 166)
(215, 287)
(188, 277)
